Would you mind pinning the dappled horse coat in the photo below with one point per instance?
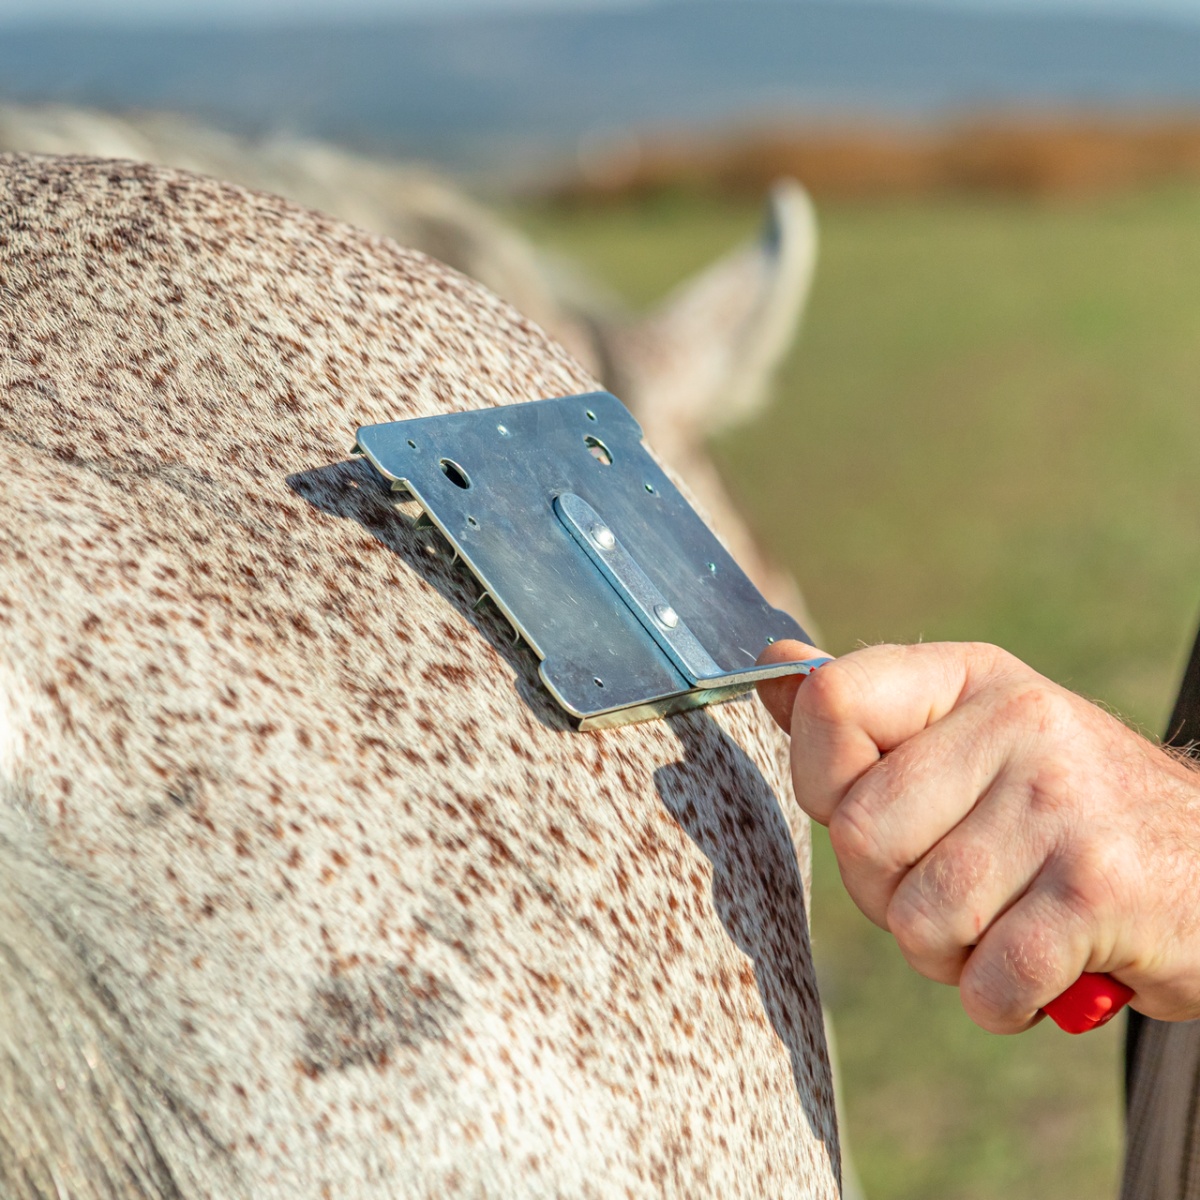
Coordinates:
(306, 888)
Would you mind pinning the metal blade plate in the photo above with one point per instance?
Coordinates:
(489, 479)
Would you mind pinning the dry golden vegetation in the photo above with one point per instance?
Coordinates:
(1018, 155)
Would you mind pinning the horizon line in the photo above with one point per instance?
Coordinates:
(283, 14)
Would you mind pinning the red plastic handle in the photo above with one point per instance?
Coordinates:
(1091, 1001)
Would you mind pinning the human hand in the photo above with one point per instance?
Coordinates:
(1009, 834)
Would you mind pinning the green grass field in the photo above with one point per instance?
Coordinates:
(989, 429)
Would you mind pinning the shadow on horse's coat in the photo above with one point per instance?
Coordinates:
(742, 832)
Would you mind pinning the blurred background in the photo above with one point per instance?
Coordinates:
(988, 428)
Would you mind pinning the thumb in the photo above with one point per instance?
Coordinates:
(779, 695)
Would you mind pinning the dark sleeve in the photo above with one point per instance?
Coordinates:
(1182, 730)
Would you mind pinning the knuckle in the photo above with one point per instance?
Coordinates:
(1090, 882)
(949, 877)
(1031, 705)
(982, 664)
(854, 836)
(915, 924)
(1051, 797)
(931, 911)
(985, 997)
(999, 982)
(996, 658)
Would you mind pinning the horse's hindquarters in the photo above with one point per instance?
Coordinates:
(361, 914)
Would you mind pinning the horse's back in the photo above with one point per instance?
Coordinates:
(309, 888)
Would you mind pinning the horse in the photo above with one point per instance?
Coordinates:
(310, 890)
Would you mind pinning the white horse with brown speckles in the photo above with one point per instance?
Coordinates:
(307, 889)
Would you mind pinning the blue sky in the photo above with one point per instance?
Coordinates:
(227, 11)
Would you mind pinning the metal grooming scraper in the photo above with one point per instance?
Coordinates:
(633, 606)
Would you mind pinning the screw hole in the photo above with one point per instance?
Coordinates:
(474, 524)
(598, 681)
(412, 444)
(598, 450)
(455, 473)
(503, 431)
(591, 416)
(650, 488)
(712, 568)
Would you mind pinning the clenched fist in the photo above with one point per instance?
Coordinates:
(1009, 834)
